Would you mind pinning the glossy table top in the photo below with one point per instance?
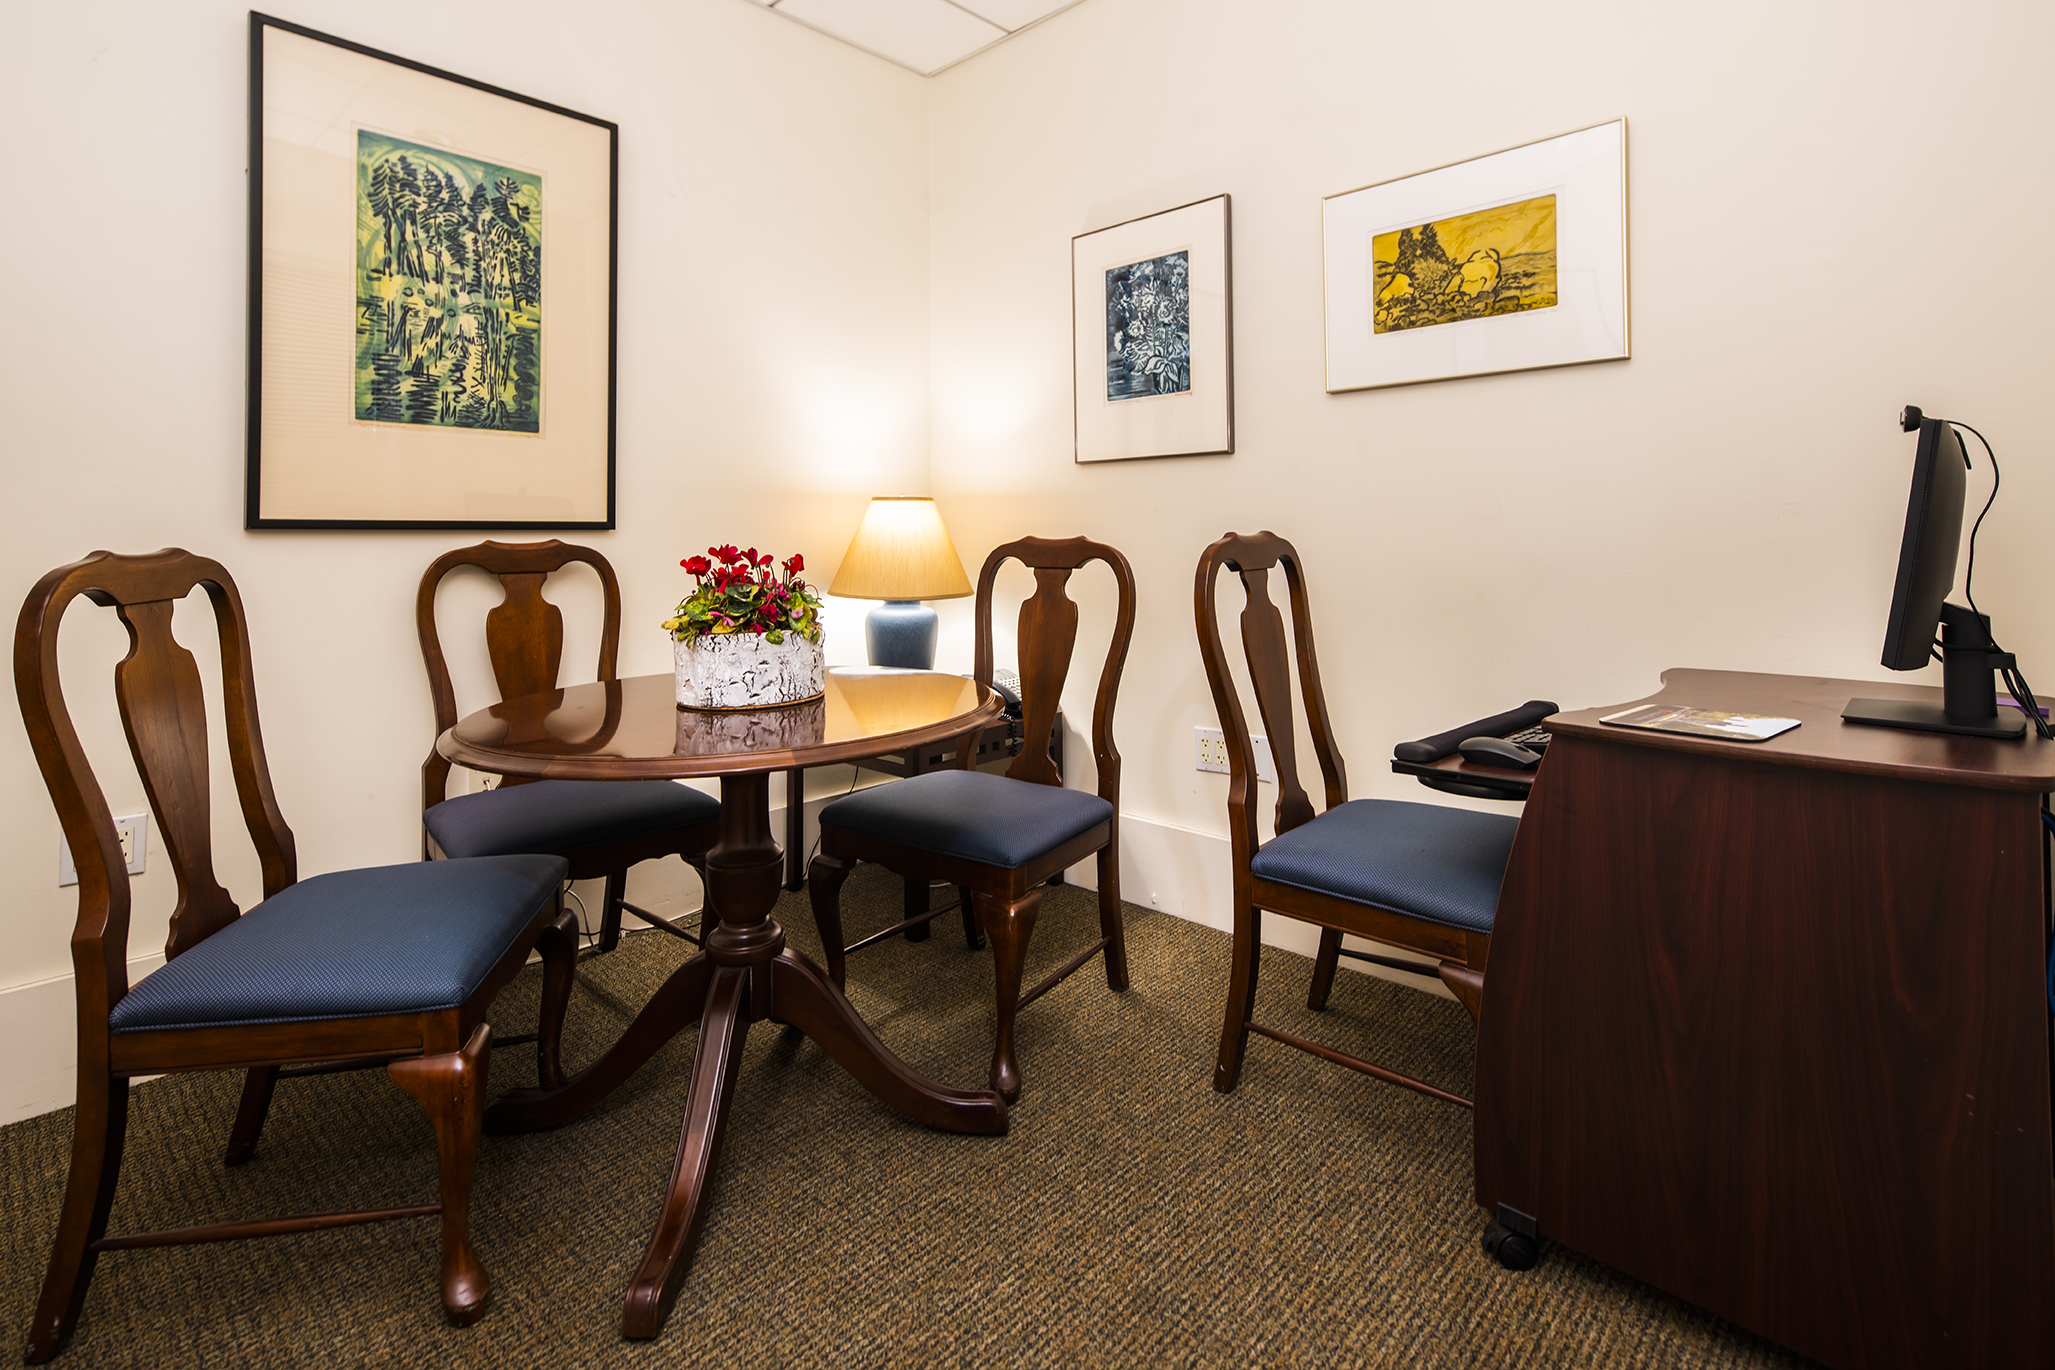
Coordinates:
(633, 728)
(1823, 741)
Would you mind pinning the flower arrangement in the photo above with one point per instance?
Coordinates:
(737, 593)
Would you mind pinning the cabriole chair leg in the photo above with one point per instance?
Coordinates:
(559, 949)
(824, 892)
(1009, 927)
(451, 1088)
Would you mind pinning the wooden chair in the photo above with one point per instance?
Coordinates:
(999, 838)
(1419, 876)
(391, 966)
(601, 827)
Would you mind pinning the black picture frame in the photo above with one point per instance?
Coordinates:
(312, 443)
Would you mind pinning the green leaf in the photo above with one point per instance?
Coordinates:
(774, 637)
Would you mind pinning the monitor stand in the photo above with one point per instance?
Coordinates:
(1969, 704)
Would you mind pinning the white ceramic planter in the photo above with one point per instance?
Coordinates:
(742, 671)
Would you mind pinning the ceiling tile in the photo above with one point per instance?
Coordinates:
(926, 35)
(1014, 14)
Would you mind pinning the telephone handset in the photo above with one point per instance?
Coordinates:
(1008, 686)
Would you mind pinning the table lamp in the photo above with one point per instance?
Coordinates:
(901, 554)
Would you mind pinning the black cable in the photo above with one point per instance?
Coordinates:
(855, 773)
(2015, 681)
(1970, 571)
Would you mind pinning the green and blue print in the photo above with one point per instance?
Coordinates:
(449, 289)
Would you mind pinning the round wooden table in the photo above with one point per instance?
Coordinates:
(632, 730)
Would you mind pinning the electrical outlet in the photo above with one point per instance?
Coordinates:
(134, 831)
(1212, 754)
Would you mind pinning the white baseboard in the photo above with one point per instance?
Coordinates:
(39, 1021)
(1177, 870)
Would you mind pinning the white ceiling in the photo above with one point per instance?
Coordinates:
(925, 35)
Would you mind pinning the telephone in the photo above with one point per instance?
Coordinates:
(1008, 686)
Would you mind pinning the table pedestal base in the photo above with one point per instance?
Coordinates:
(744, 976)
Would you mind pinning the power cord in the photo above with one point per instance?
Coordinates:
(854, 773)
(2015, 681)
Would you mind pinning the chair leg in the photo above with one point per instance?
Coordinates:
(824, 895)
(1110, 925)
(1324, 963)
(451, 1088)
(973, 935)
(916, 904)
(559, 947)
(610, 911)
(99, 1127)
(258, 1084)
(1467, 985)
(1009, 926)
(1241, 993)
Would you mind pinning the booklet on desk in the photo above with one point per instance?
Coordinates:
(1673, 718)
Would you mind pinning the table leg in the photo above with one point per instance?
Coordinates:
(752, 977)
(803, 996)
(722, 1031)
(674, 1007)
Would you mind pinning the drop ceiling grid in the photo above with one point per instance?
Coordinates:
(923, 35)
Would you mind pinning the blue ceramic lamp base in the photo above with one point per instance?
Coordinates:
(901, 632)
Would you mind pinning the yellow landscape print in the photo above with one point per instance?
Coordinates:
(1491, 261)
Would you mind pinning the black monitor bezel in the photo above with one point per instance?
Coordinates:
(1928, 550)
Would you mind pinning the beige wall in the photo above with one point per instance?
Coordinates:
(839, 279)
(1834, 211)
(773, 372)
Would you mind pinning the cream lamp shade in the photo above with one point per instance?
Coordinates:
(901, 553)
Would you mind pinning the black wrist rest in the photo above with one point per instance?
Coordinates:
(1498, 725)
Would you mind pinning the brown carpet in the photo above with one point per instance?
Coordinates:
(1133, 1217)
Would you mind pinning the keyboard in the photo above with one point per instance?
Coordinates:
(1533, 739)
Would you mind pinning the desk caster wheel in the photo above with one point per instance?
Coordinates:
(1512, 1240)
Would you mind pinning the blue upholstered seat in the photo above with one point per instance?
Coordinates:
(563, 815)
(1436, 863)
(971, 814)
(387, 939)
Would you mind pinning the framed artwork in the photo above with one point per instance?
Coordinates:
(1508, 262)
(1153, 336)
(431, 296)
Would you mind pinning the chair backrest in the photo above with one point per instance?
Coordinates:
(157, 688)
(1252, 557)
(1047, 638)
(524, 633)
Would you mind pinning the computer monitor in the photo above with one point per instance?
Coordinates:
(1920, 608)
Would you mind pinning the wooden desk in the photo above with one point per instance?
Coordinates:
(1765, 1024)
(633, 730)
